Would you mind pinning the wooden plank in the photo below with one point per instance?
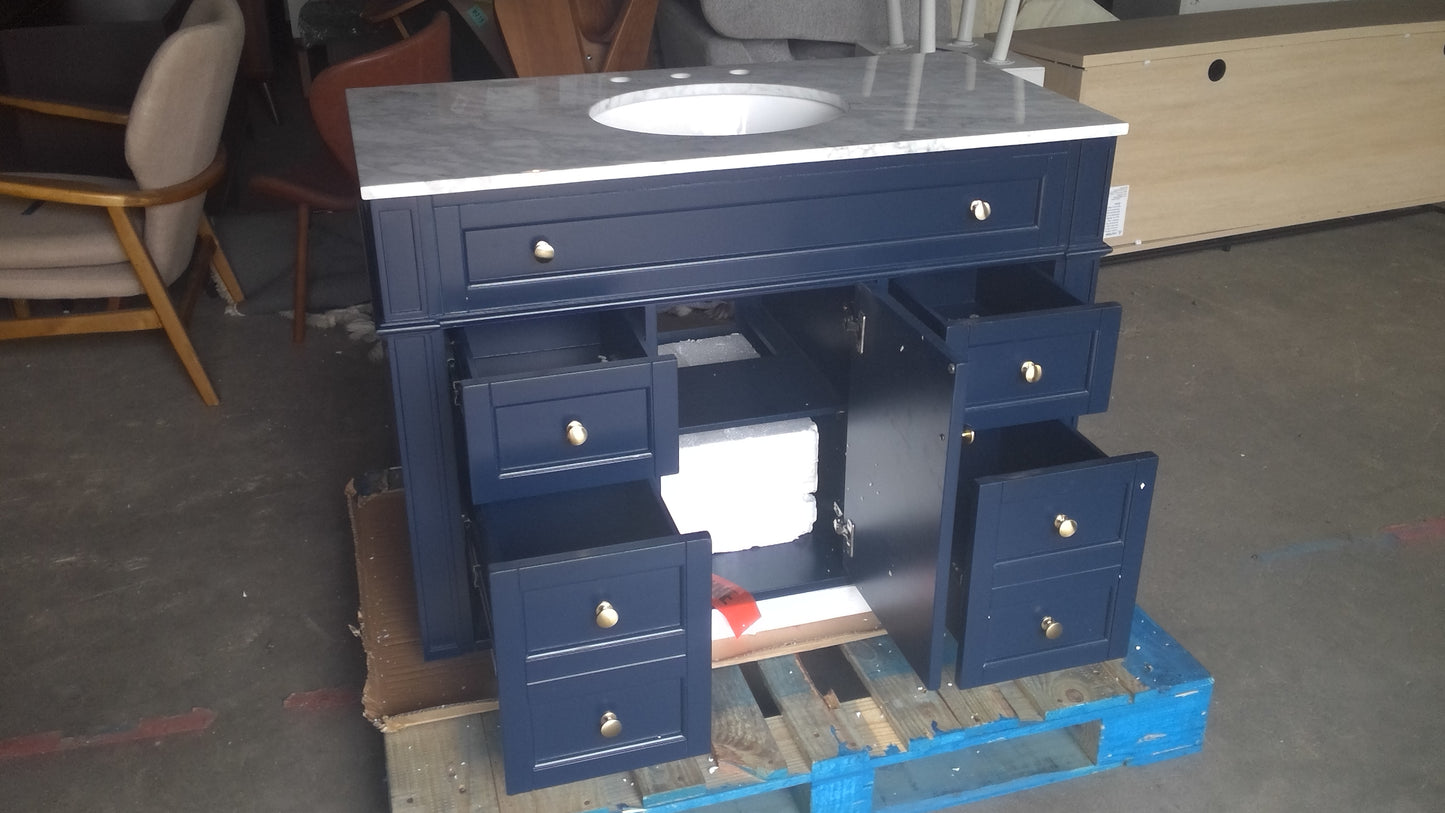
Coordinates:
(1023, 706)
(671, 781)
(1053, 691)
(788, 746)
(821, 734)
(441, 767)
(596, 794)
(914, 712)
(794, 639)
(740, 736)
(1127, 681)
(977, 706)
(868, 715)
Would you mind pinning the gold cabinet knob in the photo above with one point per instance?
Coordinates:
(611, 726)
(606, 616)
(980, 209)
(969, 436)
(576, 433)
(1052, 629)
(1066, 526)
(543, 251)
(1031, 371)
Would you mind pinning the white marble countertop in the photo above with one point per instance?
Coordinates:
(508, 133)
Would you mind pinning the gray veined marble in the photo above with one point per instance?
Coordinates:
(469, 136)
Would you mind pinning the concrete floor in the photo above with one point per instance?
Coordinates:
(159, 557)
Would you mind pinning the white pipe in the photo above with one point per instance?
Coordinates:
(964, 37)
(927, 26)
(1005, 32)
(895, 23)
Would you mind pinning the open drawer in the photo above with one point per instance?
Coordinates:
(1049, 537)
(559, 402)
(598, 607)
(1028, 349)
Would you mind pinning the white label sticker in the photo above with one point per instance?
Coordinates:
(1114, 216)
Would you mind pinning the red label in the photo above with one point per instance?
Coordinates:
(736, 605)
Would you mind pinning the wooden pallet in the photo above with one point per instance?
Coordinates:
(895, 748)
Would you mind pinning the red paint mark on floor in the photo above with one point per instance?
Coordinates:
(323, 699)
(151, 728)
(1428, 530)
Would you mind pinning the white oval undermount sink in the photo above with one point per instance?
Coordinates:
(718, 109)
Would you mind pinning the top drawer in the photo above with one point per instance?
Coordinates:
(741, 228)
(1029, 350)
(560, 402)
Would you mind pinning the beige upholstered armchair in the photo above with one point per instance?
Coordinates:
(68, 237)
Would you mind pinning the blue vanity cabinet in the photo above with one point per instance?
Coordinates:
(930, 311)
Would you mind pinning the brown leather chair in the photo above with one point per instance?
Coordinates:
(329, 183)
(74, 237)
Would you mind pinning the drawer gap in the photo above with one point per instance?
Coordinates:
(1025, 447)
(942, 298)
(543, 343)
(571, 521)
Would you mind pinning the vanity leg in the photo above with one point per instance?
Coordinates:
(421, 391)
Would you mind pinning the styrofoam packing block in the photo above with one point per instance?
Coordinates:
(753, 525)
(712, 350)
(748, 486)
(779, 455)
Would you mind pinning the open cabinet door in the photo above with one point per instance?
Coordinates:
(904, 434)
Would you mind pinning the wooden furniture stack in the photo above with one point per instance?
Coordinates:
(1242, 121)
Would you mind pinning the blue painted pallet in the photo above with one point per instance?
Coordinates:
(782, 744)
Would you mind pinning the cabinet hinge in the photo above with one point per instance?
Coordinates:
(843, 527)
(856, 324)
(456, 393)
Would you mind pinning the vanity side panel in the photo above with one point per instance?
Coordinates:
(421, 393)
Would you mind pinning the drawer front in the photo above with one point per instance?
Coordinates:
(1078, 609)
(571, 428)
(559, 672)
(638, 706)
(747, 228)
(1063, 541)
(622, 241)
(1038, 367)
(603, 598)
(1059, 510)
(1028, 365)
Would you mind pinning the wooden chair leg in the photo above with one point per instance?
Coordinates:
(196, 276)
(222, 266)
(298, 299)
(21, 308)
(160, 301)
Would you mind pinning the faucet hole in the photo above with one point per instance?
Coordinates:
(1216, 70)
